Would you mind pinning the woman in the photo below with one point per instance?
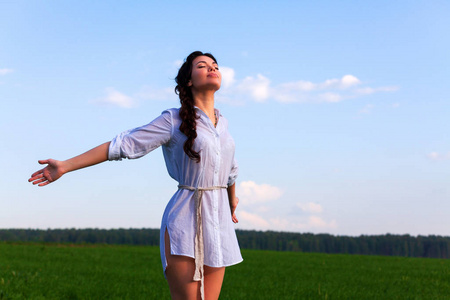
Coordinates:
(197, 235)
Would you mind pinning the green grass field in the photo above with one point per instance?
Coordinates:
(50, 271)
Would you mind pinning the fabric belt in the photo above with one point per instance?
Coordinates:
(198, 243)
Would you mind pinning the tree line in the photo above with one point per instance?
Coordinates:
(431, 246)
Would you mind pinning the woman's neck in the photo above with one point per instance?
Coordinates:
(205, 101)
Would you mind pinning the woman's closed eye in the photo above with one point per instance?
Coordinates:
(202, 66)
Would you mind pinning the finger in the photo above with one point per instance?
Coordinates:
(35, 177)
(37, 172)
(235, 220)
(44, 183)
(43, 161)
(39, 180)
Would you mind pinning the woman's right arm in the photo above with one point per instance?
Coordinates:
(55, 169)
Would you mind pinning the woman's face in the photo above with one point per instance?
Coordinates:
(205, 74)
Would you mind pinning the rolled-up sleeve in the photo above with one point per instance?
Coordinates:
(234, 173)
(137, 142)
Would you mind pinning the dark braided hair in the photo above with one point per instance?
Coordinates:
(187, 111)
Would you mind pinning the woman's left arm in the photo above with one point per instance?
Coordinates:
(233, 201)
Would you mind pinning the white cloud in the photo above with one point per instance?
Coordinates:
(318, 222)
(330, 97)
(348, 81)
(227, 77)
(272, 216)
(300, 85)
(369, 90)
(116, 98)
(387, 89)
(6, 71)
(252, 221)
(331, 90)
(282, 224)
(310, 207)
(439, 156)
(263, 209)
(345, 82)
(307, 91)
(365, 91)
(257, 88)
(150, 93)
(433, 155)
(250, 192)
(311, 223)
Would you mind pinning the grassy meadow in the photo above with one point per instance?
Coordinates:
(55, 271)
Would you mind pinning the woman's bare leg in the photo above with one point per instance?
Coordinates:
(213, 282)
(180, 271)
(179, 274)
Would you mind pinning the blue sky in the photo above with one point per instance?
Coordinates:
(339, 110)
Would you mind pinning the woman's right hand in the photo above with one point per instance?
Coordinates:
(52, 172)
(56, 168)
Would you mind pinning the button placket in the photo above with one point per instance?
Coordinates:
(217, 161)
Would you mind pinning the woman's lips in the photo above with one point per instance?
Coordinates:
(213, 75)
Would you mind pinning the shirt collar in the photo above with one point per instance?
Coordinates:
(203, 114)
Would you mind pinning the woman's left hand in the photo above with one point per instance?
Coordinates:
(233, 205)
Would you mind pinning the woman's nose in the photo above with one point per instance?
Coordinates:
(212, 68)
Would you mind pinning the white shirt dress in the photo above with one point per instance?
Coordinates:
(216, 168)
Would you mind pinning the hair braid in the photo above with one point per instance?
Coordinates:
(188, 124)
(187, 112)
